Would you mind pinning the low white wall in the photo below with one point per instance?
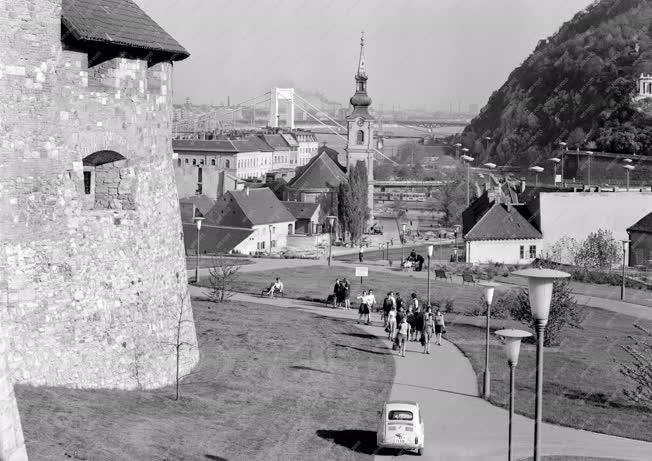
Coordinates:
(501, 251)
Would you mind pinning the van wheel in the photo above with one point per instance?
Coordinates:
(420, 451)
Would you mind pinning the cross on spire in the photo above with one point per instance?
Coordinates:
(362, 67)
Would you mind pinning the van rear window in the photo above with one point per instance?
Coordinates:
(400, 415)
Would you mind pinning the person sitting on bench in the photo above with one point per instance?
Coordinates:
(276, 287)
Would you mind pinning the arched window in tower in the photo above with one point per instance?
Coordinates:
(109, 181)
(361, 86)
(360, 138)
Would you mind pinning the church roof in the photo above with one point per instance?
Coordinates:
(301, 210)
(321, 173)
(258, 206)
(118, 22)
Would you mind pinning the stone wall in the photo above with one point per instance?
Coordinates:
(92, 294)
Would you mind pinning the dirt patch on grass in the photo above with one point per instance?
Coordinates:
(269, 380)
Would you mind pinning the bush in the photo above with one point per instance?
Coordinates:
(500, 308)
(563, 312)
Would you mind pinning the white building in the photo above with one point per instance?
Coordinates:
(308, 146)
(255, 210)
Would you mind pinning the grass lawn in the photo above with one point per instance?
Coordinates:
(316, 282)
(582, 384)
(273, 383)
(207, 261)
(372, 253)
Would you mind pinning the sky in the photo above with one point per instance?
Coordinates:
(419, 53)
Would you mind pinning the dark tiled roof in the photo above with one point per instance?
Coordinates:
(197, 145)
(332, 153)
(260, 143)
(214, 239)
(292, 142)
(502, 222)
(321, 173)
(118, 22)
(643, 225)
(202, 202)
(301, 210)
(245, 145)
(239, 209)
(276, 141)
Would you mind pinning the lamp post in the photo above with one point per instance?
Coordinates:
(331, 220)
(628, 168)
(622, 287)
(468, 161)
(540, 282)
(457, 231)
(512, 348)
(198, 220)
(403, 227)
(489, 289)
(537, 169)
(588, 159)
(457, 150)
(491, 166)
(270, 238)
(554, 161)
(564, 147)
(430, 249)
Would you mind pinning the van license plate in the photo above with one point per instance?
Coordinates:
(398, 438)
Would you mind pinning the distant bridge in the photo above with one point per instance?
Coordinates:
(406, 184)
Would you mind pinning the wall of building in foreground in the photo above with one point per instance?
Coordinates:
(577, 214)
(501, 251)
(92, 294)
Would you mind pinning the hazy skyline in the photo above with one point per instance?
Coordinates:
(419, 53)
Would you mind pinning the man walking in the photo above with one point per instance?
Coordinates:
(347, 293)
(361, 254)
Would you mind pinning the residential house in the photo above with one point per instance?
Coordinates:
(283, 152)
(495, 230)
(256, 210)
(308, 146)
(306, 216)
(640, 242)
(318, 181)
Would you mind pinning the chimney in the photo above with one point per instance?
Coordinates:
(246, 189)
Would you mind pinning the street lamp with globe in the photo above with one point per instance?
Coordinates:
(430, 250)
(198, 220)
(512, 340)
(628, 168)
(537, 169)
(540, 284)
(331, 221)
(489, 289)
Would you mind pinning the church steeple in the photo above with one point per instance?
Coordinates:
(360, 100)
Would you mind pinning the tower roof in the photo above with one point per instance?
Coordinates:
(362, 66)
(361, 100)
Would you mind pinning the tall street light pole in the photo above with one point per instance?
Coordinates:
(430, 249)
(331, 220)
(512, 340)
(270, 239)
(489, 297)
(403, 227)
(554, 161)
(563, 149)
(628, 168)
(588, 159)
(540, 282)
(537, 170)
(457, 150)
(198, 221)
(468, 161)
(622, 286)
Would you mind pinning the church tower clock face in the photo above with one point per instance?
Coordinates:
(360, 121)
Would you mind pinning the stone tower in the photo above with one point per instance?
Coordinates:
(360, 125)
(92, 266)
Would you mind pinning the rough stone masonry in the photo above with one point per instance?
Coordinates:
(92, 268)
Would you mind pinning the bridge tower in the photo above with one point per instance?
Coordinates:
(283, 94)
(360, 126)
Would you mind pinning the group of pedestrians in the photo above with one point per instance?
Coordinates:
(411, 321)
(341, 296)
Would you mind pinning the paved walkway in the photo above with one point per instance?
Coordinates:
(459, 424)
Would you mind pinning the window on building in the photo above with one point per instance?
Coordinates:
(194, 161)
(212, 161)
(178, 162)
(87, 182)
(533, 251)
(522, 251)
(199, 181)
(201, 162)
(272, 243)
(360, 137)
(227, 164)
(187, 161)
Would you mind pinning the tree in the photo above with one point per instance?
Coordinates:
(184, 327)
(222, 276)
(640, 369)
(452, 198)
(599, 250)
(563, 312)
(353, 211)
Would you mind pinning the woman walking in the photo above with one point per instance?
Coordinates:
(363, 310)
(428, 330)
(402, 336)
(391, 323)
(440, 326)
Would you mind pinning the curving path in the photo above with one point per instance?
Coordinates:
(459, 424)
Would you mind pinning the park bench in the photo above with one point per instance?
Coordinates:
(441, 274)
(467, 278)
(264, 292)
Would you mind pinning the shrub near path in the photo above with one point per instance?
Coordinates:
(270, 383)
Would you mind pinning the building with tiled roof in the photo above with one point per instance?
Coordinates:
(318, 181)
(640, 238)
(308, 146)
(496, 230)
(284, 155)
(306, 216)
(110, 28)
(214, 239)
(258, 210)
